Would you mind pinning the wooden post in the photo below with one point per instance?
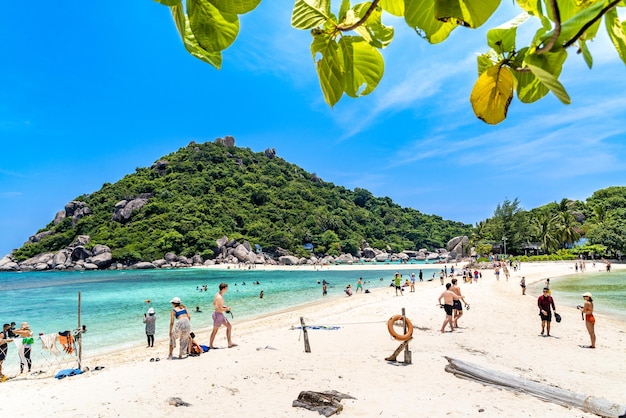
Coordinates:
(407, 352)
(80, 337)
(307, 347)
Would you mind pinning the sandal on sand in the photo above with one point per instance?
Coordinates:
(586, 346)
(232, 345)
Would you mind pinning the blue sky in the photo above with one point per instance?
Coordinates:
(88, 93)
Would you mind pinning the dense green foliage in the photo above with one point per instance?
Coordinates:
(601, 220)
(209, 190)
(348, 39)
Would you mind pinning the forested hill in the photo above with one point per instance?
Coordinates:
(202, 192)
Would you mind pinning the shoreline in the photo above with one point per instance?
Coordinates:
(265, 373)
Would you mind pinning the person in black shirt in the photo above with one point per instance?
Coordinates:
(545, 303)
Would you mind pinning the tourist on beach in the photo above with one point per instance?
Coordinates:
(4, 347)
(457, 307)
(261, 294)
(421, 276)
(545, 302)
(218, 316)
(181, 331)
(397, 281)
(522, 283)
(150, 320)
(547, 286)
(348, 290)
(448, 301)
(441, 276)
(590, 321)
(324, 289)
(359, 285)
(412, 282)
(25, 349)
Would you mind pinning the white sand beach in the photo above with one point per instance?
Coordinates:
(264, 374)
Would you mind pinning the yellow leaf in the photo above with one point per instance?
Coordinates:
(492, 94)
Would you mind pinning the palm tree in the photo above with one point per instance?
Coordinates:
(546, 229)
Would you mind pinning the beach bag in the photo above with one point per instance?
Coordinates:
(195, 350)
(204, 348)
(557, 317)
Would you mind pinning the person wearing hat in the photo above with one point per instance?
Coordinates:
(150, 321)
(181, 330)
(27, 342)
(545, 302)
(590, 321)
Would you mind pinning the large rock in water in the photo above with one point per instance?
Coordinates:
(102, 260)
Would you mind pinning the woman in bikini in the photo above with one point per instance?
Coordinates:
(181, 330)
(590, 321)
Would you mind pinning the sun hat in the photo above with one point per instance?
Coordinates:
(151, 310)
(175, 299)
(587, 294)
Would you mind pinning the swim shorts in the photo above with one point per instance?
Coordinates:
(219, 319)
(547, 317)
(456, 304)
(448, 309)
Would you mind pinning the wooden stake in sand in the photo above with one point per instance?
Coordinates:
(564, 397)
(406, 337)
(307, 347)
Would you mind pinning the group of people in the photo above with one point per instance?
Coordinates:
(452, 298)
(546, 306)
(180, 325)
(24, 335)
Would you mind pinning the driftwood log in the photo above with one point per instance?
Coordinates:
(326, 403)
(564, 397)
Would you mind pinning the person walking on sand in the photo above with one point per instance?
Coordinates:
(522, 283)
(218, 317)
(545, 302)
(150, 321)
(26, 335)
(590, 321)
(457, 307)
(412, 282)
(359, 285)
(181, 331)
(4, 347)
(448, 301)
(421, 276)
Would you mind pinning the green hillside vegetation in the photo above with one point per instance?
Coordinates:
(209, 190)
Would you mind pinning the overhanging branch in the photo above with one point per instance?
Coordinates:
(362, 20)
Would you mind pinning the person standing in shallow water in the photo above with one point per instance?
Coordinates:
(590, 321)
(150, 321)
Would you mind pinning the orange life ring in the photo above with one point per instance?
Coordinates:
(394, 334)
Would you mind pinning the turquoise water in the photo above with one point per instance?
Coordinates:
(608, 290)
(113, 302)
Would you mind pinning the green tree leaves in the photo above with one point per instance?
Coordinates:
(344, 64)
(346, 45)
(492, 94)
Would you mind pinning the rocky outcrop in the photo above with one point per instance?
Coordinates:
(288, 260)
(8, 264)
(458, 246)
(160, 167)
(125, 208)
(270, 153)
(227, 141)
